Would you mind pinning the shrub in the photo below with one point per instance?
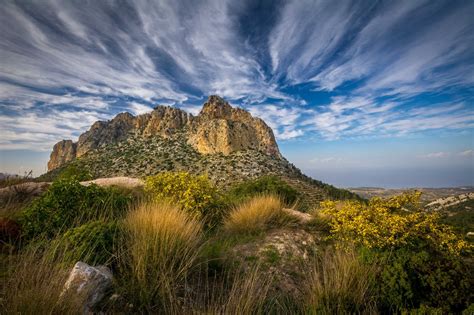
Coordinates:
(93, 242)
(420, 257)
(413, 278)
(163, 244)
(339, 283)
(390, 223)
(68, 204)
(195, 194)
(74, 171)
(254, 215)
(264, 185)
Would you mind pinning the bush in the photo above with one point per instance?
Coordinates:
(416, 278)
(68, 204)
(73, 171)
(163, 244)
(420, 257)
(390, 223)
(264, 185)
(93, 243)
(254, 215)
(194, 194)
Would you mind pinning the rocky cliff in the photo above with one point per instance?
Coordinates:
(219, 128)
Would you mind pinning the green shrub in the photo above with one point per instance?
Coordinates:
(195, 194)
(93, 242)
(73, 171)
(68, 204)
(270, 185)
(423, 278)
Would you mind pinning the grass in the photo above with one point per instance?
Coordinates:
(254, 215)
(339, 283)
(163, 245)
(36, 284)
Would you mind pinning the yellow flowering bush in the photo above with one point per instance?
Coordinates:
(194, 194)
(388, 223)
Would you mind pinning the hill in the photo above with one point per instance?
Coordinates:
(226, 143)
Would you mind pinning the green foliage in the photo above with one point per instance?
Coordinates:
(74, 172)
(422, 278)
(67, 204)
(460, 217)
(92, 242)
(195, 194)
(269, 185)
(336, 193)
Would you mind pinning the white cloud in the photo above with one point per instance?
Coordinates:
(436, 155)
(138, 109)
(467, 153)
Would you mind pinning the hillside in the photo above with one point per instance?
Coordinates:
(226, 143)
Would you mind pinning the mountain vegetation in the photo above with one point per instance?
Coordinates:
(218, 226)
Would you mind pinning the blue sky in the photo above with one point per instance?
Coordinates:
(359, 93)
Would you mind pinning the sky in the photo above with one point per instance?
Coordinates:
(358, 93)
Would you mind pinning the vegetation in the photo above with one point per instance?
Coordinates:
(382, 256)
(67, 204)
(254, 215)
(340, 283)
(421, 259)
(93, 242)
(460, 217)
(264, 185)
(163, 243)
(195, 194)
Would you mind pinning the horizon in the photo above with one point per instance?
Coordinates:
(358, 94)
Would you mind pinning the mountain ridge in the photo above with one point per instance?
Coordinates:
(219, 128)
(226, 143)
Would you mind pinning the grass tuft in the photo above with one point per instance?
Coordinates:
(339, 283)
(254, 215)
(163, 244)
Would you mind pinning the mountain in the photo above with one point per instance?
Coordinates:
(226, 143)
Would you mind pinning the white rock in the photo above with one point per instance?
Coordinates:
(92, 282)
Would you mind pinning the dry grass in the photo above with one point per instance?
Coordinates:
(163, 245)
(34, 284)
(235, 291)
(339, 283)
(254, 215)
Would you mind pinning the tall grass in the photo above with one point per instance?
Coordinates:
(163, 245)
(35, 284)
(239, 291)
(254, 215)
(339, 283)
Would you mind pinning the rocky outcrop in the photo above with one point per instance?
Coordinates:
(219, 128)
(63, 152)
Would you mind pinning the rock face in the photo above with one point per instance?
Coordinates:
(89, 283)
(219, 128)
(63, 152)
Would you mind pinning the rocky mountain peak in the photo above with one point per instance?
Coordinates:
(215, 108)
(219, 128)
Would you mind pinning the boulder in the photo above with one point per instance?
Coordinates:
(90, 283)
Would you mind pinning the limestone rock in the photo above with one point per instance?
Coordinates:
(63, 152)
(219, 128)
(90, 283)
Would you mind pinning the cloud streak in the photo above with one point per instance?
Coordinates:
(365, 68)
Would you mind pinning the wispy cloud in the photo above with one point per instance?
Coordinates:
(436, 155)
(366, 66)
